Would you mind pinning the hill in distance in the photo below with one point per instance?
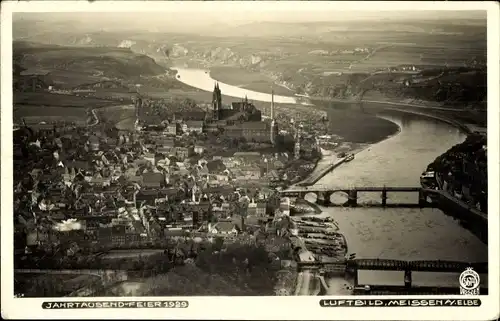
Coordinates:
(81, 64)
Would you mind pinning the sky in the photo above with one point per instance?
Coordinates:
(199, 15)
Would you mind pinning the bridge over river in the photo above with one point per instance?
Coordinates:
(427, 198)
(324, 193)
(352, 267)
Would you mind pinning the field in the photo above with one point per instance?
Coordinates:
(242, 78)
(59, 100)
(97, 61)
(38, 107)
(115, 114)
(36, 114)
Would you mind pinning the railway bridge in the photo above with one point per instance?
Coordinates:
(323, 194)
(352, 267)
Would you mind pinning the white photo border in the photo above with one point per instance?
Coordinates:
(257, 308)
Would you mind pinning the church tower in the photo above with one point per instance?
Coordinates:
(298, 134)
(216, 102)
(274, 125)
(138, 106)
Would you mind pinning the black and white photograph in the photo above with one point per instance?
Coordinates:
(249, 149)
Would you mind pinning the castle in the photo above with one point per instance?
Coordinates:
(238, 120)
(242, 119)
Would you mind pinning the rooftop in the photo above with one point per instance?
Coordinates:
(33, 72)
(256, 125)
(224, 226)
(244, 154)
(152, 177)
(194, 123)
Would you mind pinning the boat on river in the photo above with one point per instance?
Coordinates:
(428, 180)
(349, 157)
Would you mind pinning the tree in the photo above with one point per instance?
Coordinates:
(273, 203)
(242, 210)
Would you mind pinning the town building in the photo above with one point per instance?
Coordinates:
(258, 132)
(152, 180)
(183, 152)
(33, 80)
(171, 129)
(194, 126)
(94, 143)
(198, 149)
(40, 128)
(257, 209)
(223, 228)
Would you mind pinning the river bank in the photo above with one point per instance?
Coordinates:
(329, 161)
(462, 126)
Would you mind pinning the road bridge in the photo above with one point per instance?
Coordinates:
(323, 194)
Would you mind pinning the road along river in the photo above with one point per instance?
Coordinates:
(397, 233)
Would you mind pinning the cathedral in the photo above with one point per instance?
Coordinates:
(243, 119)
(216, 103)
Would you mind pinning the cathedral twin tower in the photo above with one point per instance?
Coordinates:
(217, 113)
(216, 102)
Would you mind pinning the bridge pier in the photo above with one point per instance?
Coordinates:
(327, 196)
(384, 197)
(408, 279)
(353, 198)
(324, 199)
(356, 277)
(422, 198)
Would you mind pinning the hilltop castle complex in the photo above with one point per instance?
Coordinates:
(242, 119)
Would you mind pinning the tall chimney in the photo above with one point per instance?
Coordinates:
(272, 104)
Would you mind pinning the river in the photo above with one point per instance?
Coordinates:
(201, 79)
(407, 234)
